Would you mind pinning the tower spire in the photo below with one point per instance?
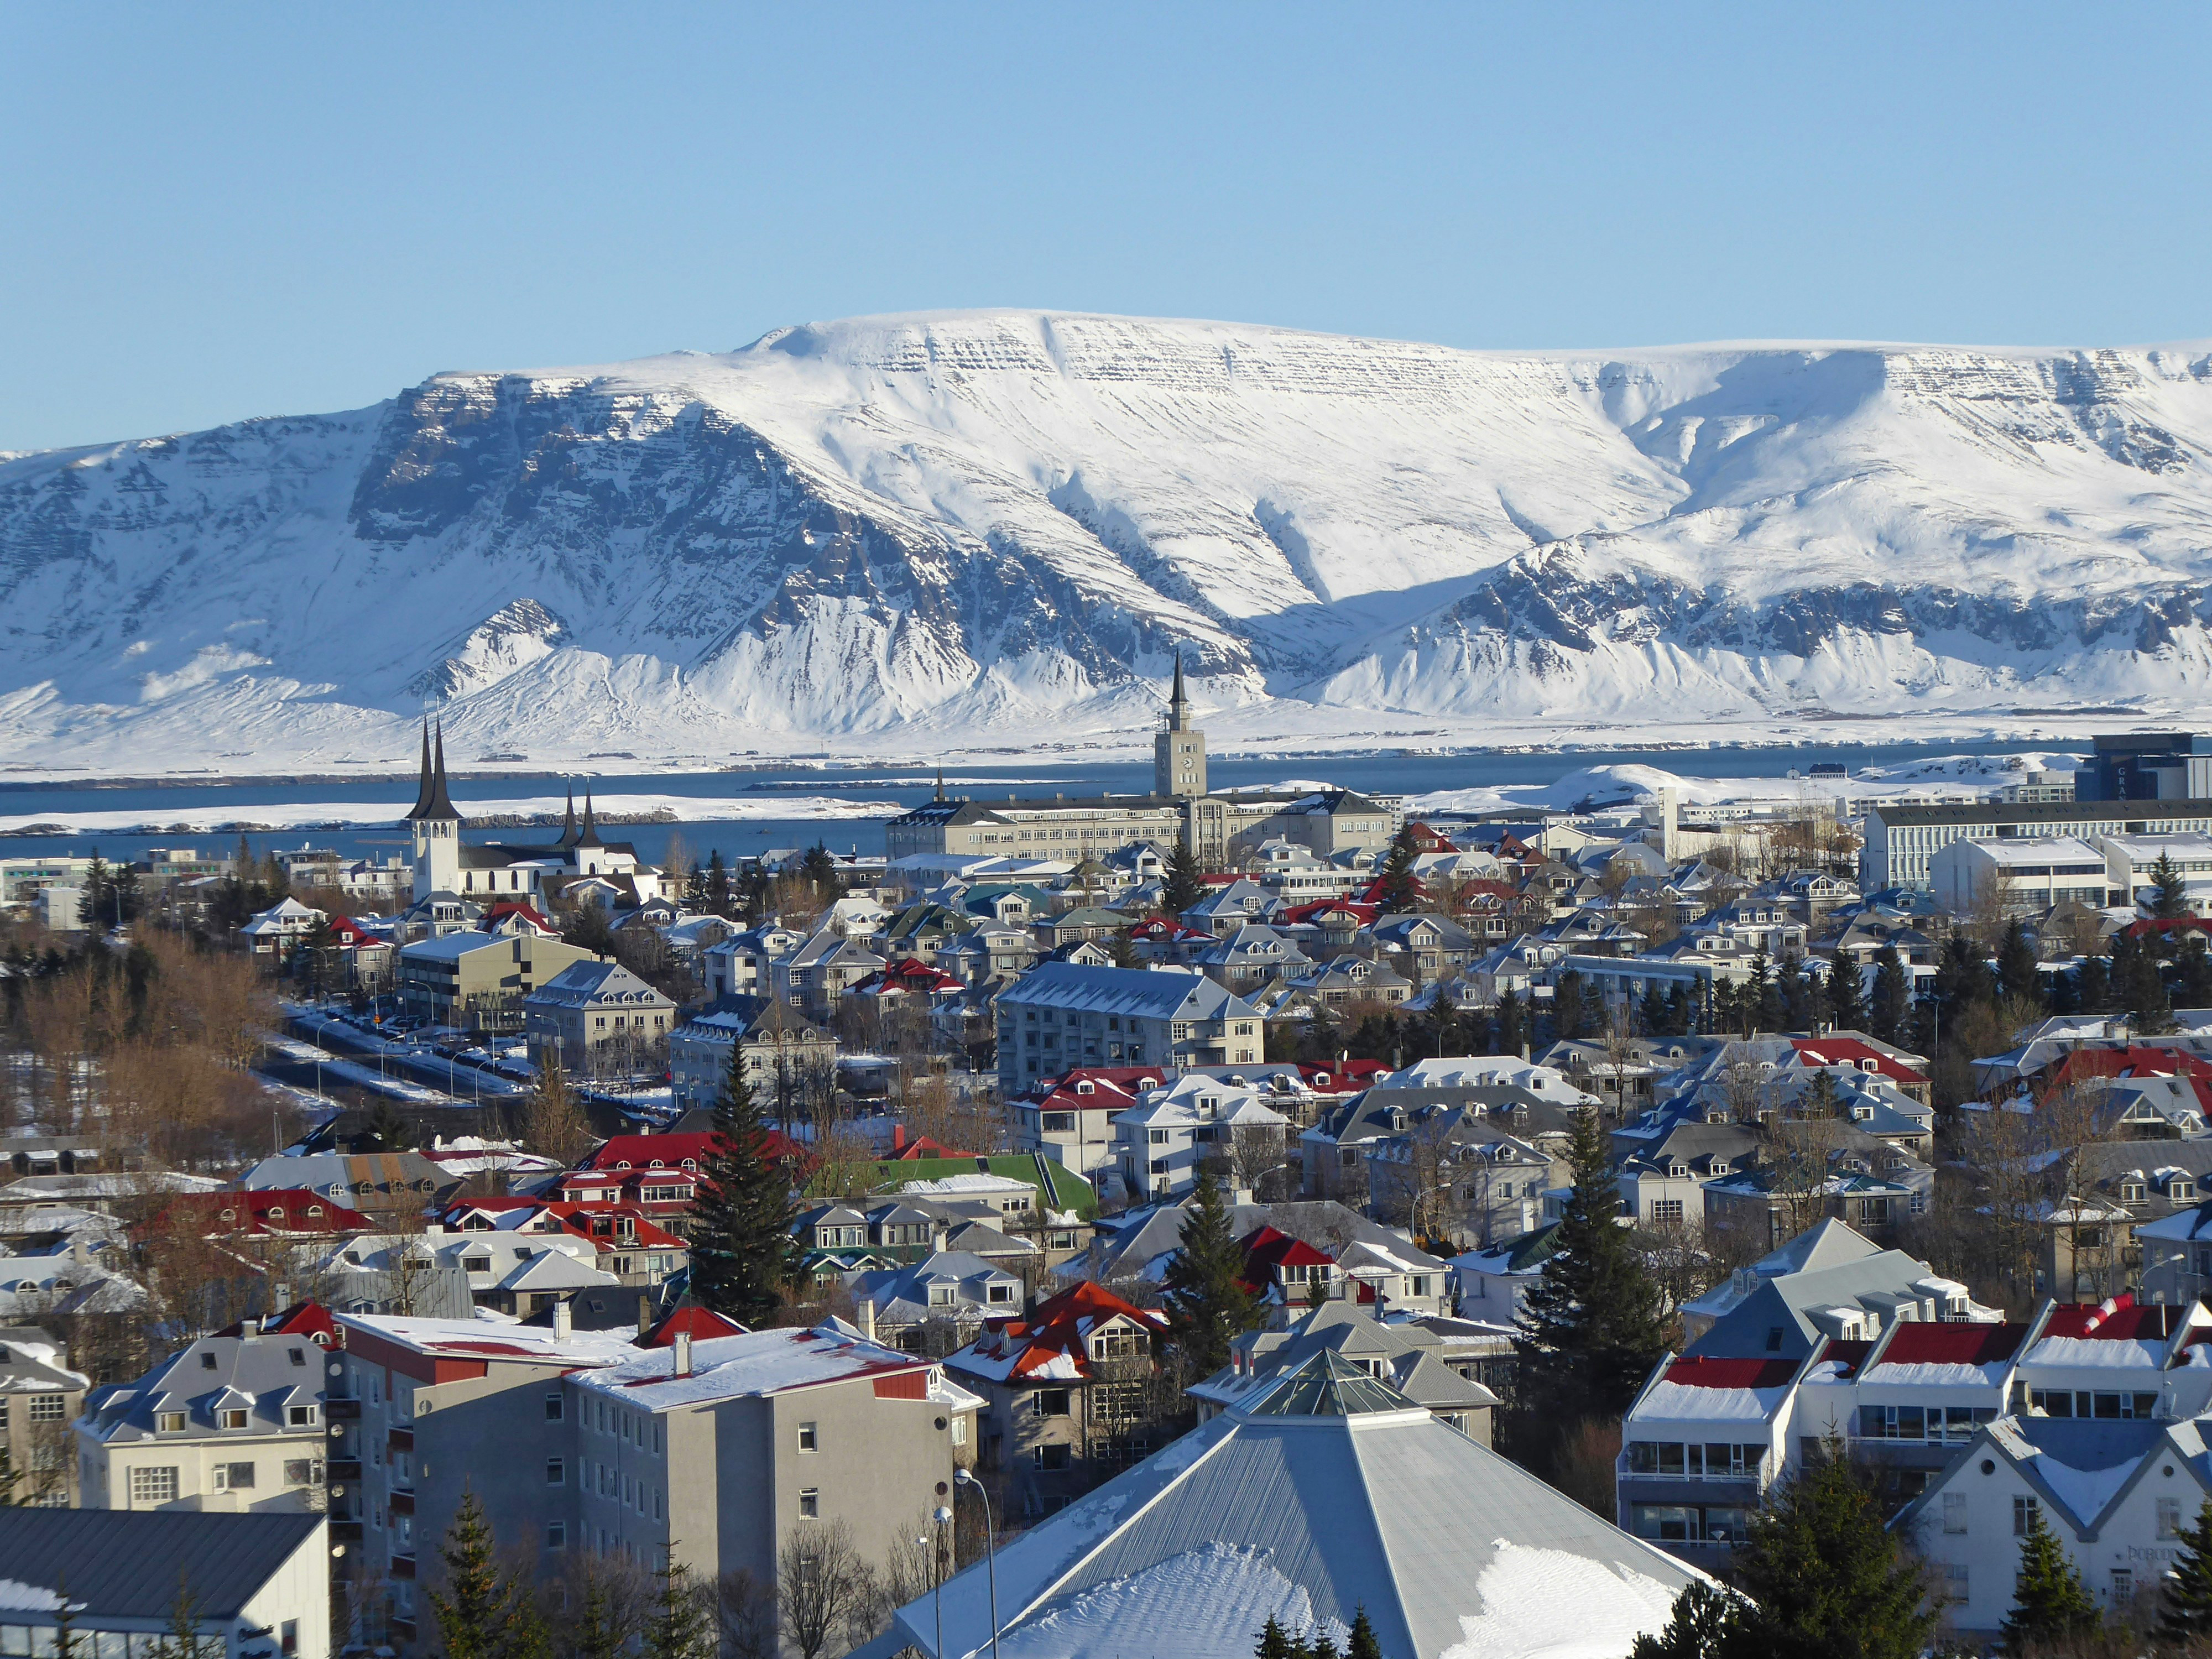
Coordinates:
(439, 804)
(591, 836)
(422, 777)
(569, 819)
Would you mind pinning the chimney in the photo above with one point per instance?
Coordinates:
(644, 1314)
(682, 1354)
(868, 1318)
(561, 1326)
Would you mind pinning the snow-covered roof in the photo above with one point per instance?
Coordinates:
(764, 1362)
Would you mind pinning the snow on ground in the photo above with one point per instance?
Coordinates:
(1553, 1604)
(1206, 1603)
(386, 815)
(1962, 777)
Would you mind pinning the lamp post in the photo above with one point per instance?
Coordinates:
(943, 1517)
(990, 1553)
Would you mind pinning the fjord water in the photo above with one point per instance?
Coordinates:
(1380, 773)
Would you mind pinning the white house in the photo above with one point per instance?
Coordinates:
(1160, 1142)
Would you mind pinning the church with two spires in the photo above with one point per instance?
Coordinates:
(488, 872)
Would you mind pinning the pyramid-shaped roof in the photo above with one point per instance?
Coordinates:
(1329, 1492)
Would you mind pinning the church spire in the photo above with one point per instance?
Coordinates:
(591, 836)
(1178, 701)
(568, 821)
(422, 778)
(440, 803)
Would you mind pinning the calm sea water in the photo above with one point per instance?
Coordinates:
(1382, 774)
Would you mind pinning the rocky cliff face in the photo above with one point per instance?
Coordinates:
(1001, 525)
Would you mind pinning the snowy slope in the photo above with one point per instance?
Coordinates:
(979, 528)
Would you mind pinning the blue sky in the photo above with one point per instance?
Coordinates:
(211, 212)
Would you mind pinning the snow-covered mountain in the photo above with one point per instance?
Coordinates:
(991, 527)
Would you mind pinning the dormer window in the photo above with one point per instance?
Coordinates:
(2181, 1190)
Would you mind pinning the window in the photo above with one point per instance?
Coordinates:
(1955, 1582)
(299, 1417)
(170, 1422)
(959, 1431)
(1052, 1457)
(556, 1471)
(808, 1440)
(233, 1477)
(230, 1419)
(207, 1362)
(557, 1534)
(149, 1486)
(552, 1408)
(1050, 1402)
(302, 1472)
(2169, 1517)
(1955, 1512)
(2024, 1513)
(1666, 1209)
(809, 1503)
(2123, 1585)
(299, 1356)
(1000, 1293)
(940, 1296)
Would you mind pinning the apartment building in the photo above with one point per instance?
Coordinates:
(695, 1438)
(478, 980)
(232, 1422)
(1902, 841)
(40, 1397)
(1060, 1015)
(1160, 1142)
(597, 1019)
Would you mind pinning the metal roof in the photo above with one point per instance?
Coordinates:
(128, 1563)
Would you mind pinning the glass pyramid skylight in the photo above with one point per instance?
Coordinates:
(1327, 1385)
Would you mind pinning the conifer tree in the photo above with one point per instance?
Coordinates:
(1703, 1619)
(1324, 1645)
(1395, 888)
(2138, 990)
(1846, 1005)
(2093, 986)
(1655, 1012)
(2192, 962)
(678, 1627)
(1593, 1325)
(742, 1247)
(718, 883)
(595, 1633)
(1274, 1644)
(1185, 886)
(2172, 897)
(1681, 1018)
(2049, 1602)
(476, 1606)
(2017, 975)
(1567, 1011)
(2185, 1614)
(1206, 1302)
(1824, 1578)
(1509, 1028)
(1892, 1008)
(1361, 1645)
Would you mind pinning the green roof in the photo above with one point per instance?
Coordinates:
(1059, 1188)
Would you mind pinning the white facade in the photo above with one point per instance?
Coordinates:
(1159, 1143)
(2032, 872)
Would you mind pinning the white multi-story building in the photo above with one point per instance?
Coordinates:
(2028, 873)
(1159, 1143)
(1060, 1015)
(234, 1422)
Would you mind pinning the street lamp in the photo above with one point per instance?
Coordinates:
(943, 1517)
(990, 1553)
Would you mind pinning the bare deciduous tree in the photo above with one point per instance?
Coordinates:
(822, 1588)
(553, 1124)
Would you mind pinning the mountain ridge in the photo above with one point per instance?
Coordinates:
(972, 526)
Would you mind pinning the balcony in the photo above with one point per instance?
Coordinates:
(399, 1439)
(342, 1468)
(403, 1566)
(345, 1531)
(341, 1410)
(402, 1502)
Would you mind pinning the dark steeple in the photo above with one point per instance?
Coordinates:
(1178, 701)
(422, 781)
(591, 836)
(440, 806)
(568, 821)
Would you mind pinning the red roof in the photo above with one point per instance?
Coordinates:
(267, 1210)
(2156, 926)
(697, 1323)
(1153, 929)
(308, 1319)
(2121, 1319)
(1846, 1357)
(1061, 1326)
(1707, 1373)
(1918, 1342)
(351, 935)
(1268, 1251)
(902, 1148)
(1318, 908)
(648, 1151)
(909, 976)
(500, 909)
(2136, 1060)
(1850, 1051)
